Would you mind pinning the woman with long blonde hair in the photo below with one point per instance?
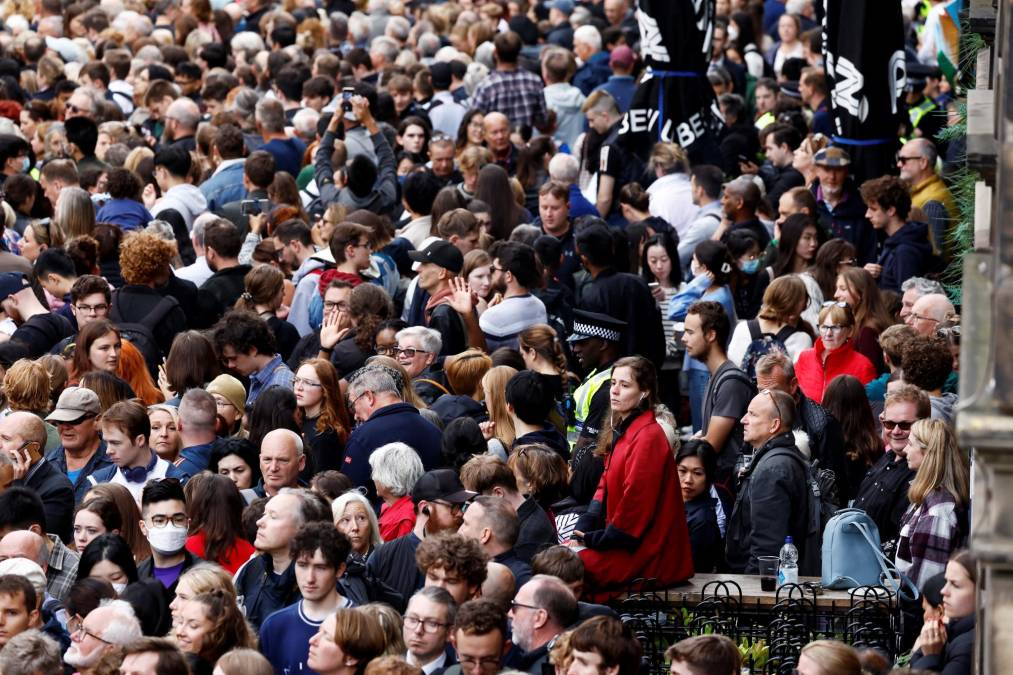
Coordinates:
(499, 426)
(935, 524)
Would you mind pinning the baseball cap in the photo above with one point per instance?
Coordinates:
(623, 57)
(832, 157)
(11, 283)
(440, 485)
(441, 253)
(29, 569)
(564, 6)
(75, 403)
(591, 324)
(230, 388)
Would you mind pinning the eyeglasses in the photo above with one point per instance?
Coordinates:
(74, 624)
(73, 108)
(352, 401)
(919, 317)
(410, 352)
(831, 329)
(367, 245)
(773, 399)
(428, 625)
(901, 159)
(92, 309)
(949, 333)
(223, 403)
(514, 605)
(890, 425)
(303, 382)
(497, 269)
(382, 350)
(331, 306)
(82, 631)
(177, 519)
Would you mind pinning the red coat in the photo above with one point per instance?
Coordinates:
(640, 490)
(814, 375)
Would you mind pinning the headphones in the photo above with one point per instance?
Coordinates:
(425, 511)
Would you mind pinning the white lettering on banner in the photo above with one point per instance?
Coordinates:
(700, 8)
(848, 85)
(650, 38)
(639, 120)
(898, 77)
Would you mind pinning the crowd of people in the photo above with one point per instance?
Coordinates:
(350, 337)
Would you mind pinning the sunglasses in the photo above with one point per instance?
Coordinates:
(890, 425)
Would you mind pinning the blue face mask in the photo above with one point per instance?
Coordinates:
(25, 165)
(750, 266)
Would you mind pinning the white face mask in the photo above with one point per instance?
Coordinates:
(167, 540)
(733, 32)
(119, 588)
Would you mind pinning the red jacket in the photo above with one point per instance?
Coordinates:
(814, 375)
(643, 501)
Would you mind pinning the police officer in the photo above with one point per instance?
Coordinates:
(594, 340)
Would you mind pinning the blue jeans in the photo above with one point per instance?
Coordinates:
(698, 381)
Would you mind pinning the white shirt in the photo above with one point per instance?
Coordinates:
(158, 472)
(198, 272)
(672, 199)
(417, 231)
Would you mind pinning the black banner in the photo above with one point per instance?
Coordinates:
(674, 100)
(864, 55)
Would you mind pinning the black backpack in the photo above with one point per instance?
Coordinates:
(140, 334)
(763, 344)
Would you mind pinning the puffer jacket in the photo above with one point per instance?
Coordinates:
(814, 373)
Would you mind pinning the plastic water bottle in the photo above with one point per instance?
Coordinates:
(787, 570)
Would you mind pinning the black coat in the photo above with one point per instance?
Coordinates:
(704, 533)
(135, 303)
(772, 504)
(958, 652)
(225, 287)
(57, 494)
(262, 591)
(626, 297)
(883, 494)
(848, 222)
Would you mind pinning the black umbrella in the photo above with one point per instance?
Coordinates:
(675, 101)
(864, 52)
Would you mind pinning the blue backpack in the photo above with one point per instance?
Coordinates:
(852, 556)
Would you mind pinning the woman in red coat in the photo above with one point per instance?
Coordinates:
(833, 354)
(636, 526)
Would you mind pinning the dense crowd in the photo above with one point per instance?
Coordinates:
(352, 337)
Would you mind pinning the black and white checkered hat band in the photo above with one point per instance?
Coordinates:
(596, 331)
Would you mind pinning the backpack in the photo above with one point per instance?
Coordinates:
(821, 503)
(140, 334)
(763, 344)
(852, 556)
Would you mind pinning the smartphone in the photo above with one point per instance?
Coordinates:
(653, 284)
(254, 207)
(34, 450)
(744, 159)
(346, 98)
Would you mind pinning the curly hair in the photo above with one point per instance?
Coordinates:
(123, 184)
(369, 306)
(926, 362)
(244, 331)
(27, 386)
(144, 257)
(453, 553)
(84, 251)
(229, 630)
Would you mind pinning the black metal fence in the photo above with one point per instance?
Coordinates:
(769, 636)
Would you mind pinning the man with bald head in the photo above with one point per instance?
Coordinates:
(739, 202)
(181, 120)
(772, 502)
(281, 459)
(929, 312)
(543, 608)
(497, 138)
(22, 438)
(917, 164)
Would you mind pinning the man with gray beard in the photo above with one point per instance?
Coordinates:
(543, 608)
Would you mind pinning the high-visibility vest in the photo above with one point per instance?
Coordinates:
(582, 400)
(919, 111)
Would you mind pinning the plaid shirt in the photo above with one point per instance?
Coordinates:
(62, 569)
(515, 93)
(929, 533)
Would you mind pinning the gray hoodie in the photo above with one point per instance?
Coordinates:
(943, 407)
(187, 199)
(566, 100)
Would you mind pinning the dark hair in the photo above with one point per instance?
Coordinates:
(110, 547)
(420, 190)
(792, 230)
(362, 174)
(294, 230)
(191, 362)
(87, 594)
(508, 46)
(82, 132)
(710, 179)
(493, 188)
(216, 506)
(927, 362)
(784, 134)
(275, 408)
(331, 484)
(162, 490)
(716, 258)
(531, 399)
(481, 617)
(611, 640)
(123, 183)
(18, 189)
(322, 536)
(170, 659)
(595, 243)
(824, 267)
(845, 399)
(175, 159)
(462, 440)
(241, 448)
(671, 246)
(888, 192)
(520, 260)
(20, 508)
(259, 167)
(713, 317)
(244, 331)
(14, 584)
(229, 141)
(702, 450)
(224, 238)
(55, 261)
